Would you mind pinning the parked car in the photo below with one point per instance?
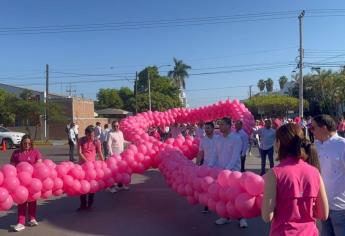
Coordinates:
(12, 139)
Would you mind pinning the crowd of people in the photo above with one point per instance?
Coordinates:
(306, 185)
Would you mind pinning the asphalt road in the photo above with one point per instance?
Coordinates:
(150, 207)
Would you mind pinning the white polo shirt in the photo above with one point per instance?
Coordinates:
(229, 151)
(208, 146)
(332, 160)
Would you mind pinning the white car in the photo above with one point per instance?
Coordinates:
(11, 138)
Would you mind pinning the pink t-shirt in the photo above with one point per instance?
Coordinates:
(89, 148)
(31, 156)
(298, 185)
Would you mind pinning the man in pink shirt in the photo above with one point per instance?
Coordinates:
(88, 147)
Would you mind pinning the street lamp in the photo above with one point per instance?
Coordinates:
(149, 83)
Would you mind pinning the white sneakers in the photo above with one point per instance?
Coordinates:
(243, 223)
(223, 221)
(18, 227)
(112, 189)
(32, 223)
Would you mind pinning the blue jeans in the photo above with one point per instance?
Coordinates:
(335, 224)
(263, 154)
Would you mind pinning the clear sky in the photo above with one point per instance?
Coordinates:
(229, 44)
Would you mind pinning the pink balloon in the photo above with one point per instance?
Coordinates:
(20, 195)
(58, 192)
(90, 174)
(7, 204)
(35, 186)
(223, 178)
(42, 172)
(94, 186)
(211, 204)
(232, 212)
(76, 185)
(11, 183)
(99, 174)
(245, 203)
(67, 181)
(126, 179)
(142, 149)
(25, 167)
(61, 170)
(24, 178)
(221, 209)
(254, 184)
(34, 197)
(213, 191)
(85, 187)
(49, 163)
(1, 178)
(58, 184)
(47, 194)
(206, 182)
(47, 184)
(3, 194)
(9, 170)
(234, 179)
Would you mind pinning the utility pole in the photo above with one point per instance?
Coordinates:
(300, 64)
(250, 91)
(69, 90)
(136, 91)
(46, 101)
(149, 84)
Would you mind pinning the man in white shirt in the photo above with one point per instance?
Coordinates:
(104, 139)
(207, 150)
(116, 142)
(76, 130)
(71, 142)
(331, 150)
(267, 139)
(245, 142)
(228, 149)
(200, 132)
(98, 130)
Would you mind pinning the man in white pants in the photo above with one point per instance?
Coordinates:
(229, 148)
(207, 150)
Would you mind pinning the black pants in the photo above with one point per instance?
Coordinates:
(243, 161)
(71, 151)
(263, 154)
(86, 200)
(105, 149)
(311, 136)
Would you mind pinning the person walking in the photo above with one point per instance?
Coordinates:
(104, 139)
(228, 150)
(116, 144)
(207, 154)
(76, 130)
(72, 141)
(267, 137)
(26, 153)
(200, 132)
(341, 127)
(331, 149)
(245, 143)
(98, 130)
(294, 195)
(88, 148)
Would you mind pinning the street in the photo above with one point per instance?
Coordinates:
(150, 207)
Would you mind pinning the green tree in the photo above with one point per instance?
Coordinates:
(261, 85)
(142, 83)
(179, 73)
(272, 105)
(26, 95)
(108, 98)
(126, 94)
(7, 114)
(282, 81)
(269, 85)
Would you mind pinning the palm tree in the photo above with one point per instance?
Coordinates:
(282, 81)
(261, 85)
(179, 73)
(269, 85)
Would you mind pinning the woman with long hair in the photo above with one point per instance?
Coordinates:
(26, 153)
(294, 195)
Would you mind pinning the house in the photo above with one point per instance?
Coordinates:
(76, 109)
(113, 114)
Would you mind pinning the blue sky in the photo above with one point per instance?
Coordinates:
(246, 50)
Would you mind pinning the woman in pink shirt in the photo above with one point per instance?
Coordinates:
(26, 153)
(294, 195)
(88, 147)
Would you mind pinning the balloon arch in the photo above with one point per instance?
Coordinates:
(229, 194)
